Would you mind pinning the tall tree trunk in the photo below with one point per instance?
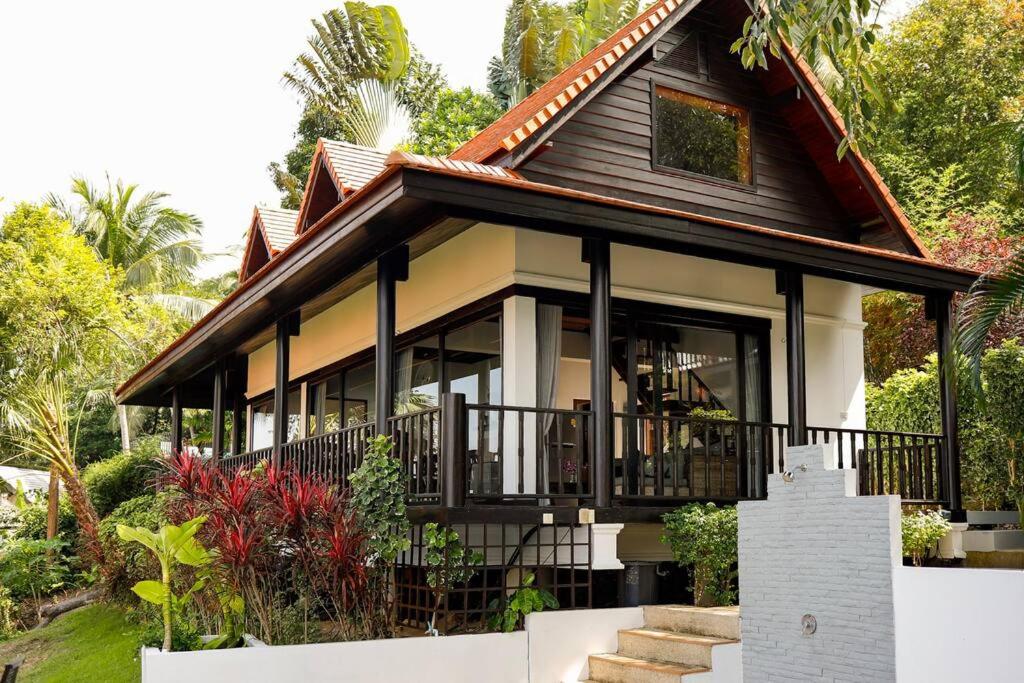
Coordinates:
(88, 520)
(53, 504)
(122, 420)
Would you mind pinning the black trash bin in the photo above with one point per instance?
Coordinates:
(638, 584)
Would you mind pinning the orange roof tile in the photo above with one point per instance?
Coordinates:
(530, 115)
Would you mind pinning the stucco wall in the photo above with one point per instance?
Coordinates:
(486, 258)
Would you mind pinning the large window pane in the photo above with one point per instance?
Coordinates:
(263, 420)
(472, 357)
(417, 377)
(702, 136)
(360, 393)
(325, 406)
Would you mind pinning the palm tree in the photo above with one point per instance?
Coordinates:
(44, 431)
(157, 247)
(543, 37)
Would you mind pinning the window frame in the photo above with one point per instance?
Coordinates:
(750, 187)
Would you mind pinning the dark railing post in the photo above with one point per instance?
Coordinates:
(237, 418)
(176, 436)
(392, 267)
(792, 285)
(597, 252)
(941, 308)
(287, 327)
(454, 446)
(218, 410)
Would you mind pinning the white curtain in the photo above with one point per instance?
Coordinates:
(549, 354)
(262, 430)
(403, 383)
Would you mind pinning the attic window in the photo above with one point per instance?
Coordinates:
(696, 135)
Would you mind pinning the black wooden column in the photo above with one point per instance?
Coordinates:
(597, 252)
(176, 420)
(287, 327)
(792, 285)
(218, 410)
(391, 268)
(941, 309)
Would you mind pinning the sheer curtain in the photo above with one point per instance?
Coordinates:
(549, 354)
(752, 403)
(403, 381)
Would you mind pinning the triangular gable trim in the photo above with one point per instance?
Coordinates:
(257, 231)
(321, 162)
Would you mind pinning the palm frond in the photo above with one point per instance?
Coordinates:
(378, 119)
(189, 307)
(992, 295)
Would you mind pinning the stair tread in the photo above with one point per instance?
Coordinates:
(649, 664)
(733, 611)
(677, 637)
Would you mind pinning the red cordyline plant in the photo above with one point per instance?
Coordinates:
(280, 538)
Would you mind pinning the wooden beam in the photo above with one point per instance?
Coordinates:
(176, 436)
(941, 306)
(392, 267)
(218, 410)
(598, 254)
(791, 284)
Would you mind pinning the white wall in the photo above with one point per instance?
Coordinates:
(561, 642)
(958, 624)
(492, 657)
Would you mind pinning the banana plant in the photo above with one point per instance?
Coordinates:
(171, 545)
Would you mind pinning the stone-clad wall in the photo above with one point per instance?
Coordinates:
(815, 548)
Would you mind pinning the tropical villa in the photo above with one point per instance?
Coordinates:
(632, 291)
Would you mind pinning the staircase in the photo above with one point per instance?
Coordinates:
(675, 641)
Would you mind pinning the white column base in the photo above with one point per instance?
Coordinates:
(604, 546)
(951, 546)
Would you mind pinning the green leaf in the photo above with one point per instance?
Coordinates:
(150, 591)
(139, 535)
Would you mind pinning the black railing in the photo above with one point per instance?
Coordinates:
(890, 463)
(461, 453)
(334, 455)
(528, 453)
(682, 458)
(417, 443)
(245, 461)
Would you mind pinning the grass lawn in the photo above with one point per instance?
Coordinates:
(95, 643)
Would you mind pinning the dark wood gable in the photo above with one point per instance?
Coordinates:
(606, 146)
(322, 194)
(257, 253)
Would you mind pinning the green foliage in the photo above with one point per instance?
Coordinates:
(715, 414)
(185, 636)
(951, 71)
(525, 600)
(704, 537)
(117, 479)
(543, 37)
(8, 614)
(171, 545)
(990, 427)
(457, 117)
(33, 569)
(134, 562)
(378, 498)
(31, 523)
(921, 532)
(448, 563)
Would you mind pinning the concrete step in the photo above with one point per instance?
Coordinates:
(616, 668)
(717, 622)
(669, 646)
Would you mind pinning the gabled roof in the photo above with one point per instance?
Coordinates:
(530, 115)
(32, 481)
(337, 170)
(271, 231)
(537, 116)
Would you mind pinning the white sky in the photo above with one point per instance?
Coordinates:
(184, 97)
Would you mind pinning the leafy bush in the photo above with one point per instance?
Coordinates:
(378, 497)
(921, 532)
(119, 478)
(526, 600)
(8, 614)
(32, 522)
(34, 569)
(705, 538)
(134, 563)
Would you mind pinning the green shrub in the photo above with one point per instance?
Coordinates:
(119, 478)
(8, 614)
(134, 562)
(378, 497)
(34, 569)
(705, 537)
(32, 523)
(921, 532)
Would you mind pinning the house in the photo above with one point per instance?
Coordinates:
(34, 484)
(632, 291)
